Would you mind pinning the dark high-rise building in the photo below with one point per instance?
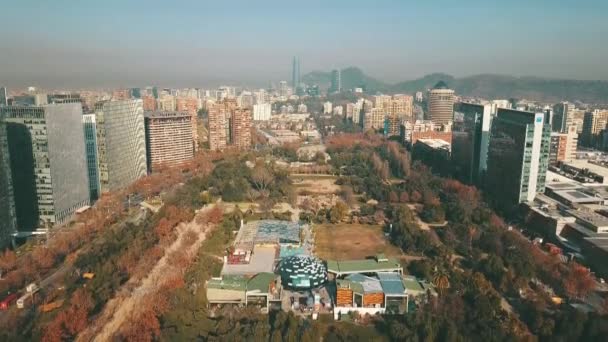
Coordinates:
(518, 157)
(90, 141)
(3, 96)
(136, 93)
(8, 221)
(295, 73)
(562, 116)
(48, 163)
(470, 139)
(336, 81)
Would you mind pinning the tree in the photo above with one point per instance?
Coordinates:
(404, 197)
(441, 280)
(416, 197)
(393, 198)
(8, 261)
(338, 212)
(261, 177)
(578, 281)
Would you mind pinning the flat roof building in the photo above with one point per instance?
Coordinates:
(121, 143)
(168, 138)
(518, 157)
(470, 140)
(48, 163)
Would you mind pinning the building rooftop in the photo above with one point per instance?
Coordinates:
(441, 85)
(412, 285)
(392, 283)
(165, 114)
(436, 144)
(228, 282)
(369, 284)
(362, 266)
(577, 196)
(261, 282)
(591, 218)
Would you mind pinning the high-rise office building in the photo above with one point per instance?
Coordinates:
(90, 142)
(241, 128)
(518, 157)
(121, 143)
(441, 103)
(336, 81)
(262, 112)
(190, 105)
(3, 96)
(8, 220)
(562, 116)
(217, 127)
(563, 146)
(168, 138)
(593, 123)
(136, 93)
(295, 73)
(48, 163)
(283, 89)
(470, 139)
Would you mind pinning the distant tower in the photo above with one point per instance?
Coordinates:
(336, 81)
(441, 104)
(295, 73)
(3, 96)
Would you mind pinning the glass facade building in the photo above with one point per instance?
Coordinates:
(90, 142)
(47, 161)
(8, 221)
(121, 143)
(518, 157)
(470, 139)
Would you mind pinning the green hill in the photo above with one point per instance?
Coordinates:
(485, 85)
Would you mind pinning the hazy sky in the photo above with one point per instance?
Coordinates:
(94, 43)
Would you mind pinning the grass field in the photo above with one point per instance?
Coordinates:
(352, 241)
(316, 184)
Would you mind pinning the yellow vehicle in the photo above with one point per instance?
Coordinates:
(88, 275)
(51, 306)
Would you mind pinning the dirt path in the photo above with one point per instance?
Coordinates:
(121, 307)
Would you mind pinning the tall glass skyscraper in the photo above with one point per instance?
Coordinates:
(8, 221)
(470, 139)
(48, 163)
(90, 141)
(121, 143)
(518, 157)
(295, 73)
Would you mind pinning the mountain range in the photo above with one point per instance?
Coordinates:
(488, 86)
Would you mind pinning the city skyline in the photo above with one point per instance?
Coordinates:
(114, 44)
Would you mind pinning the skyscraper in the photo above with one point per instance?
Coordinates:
(563, 146)
(441, 103)
(121, 143)
(3, 96)
(48, 163)
(470, 139)
(241, 128)
(8, 220)
(295, 73)
(593, 123)
(217, 127)
(336, 81)
(90, 142)
(169, 138)
(190, 106)
(518, 157)
(562, 116)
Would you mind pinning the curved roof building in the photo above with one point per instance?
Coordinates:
(441, 104)
(302, 272)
